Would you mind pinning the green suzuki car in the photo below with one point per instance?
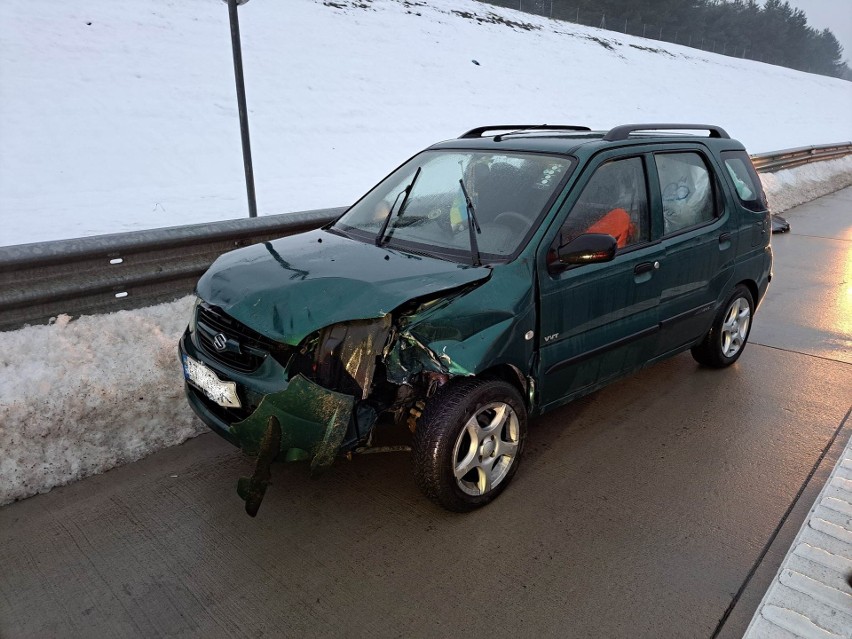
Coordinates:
(487, 280)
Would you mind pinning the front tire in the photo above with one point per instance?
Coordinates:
(469, 442)
(727, 338)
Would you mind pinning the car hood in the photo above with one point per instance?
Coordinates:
(290, 287)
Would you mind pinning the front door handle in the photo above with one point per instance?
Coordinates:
(724, 237)
(646, 267)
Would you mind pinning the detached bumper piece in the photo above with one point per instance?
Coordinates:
(305, 417)
(252, 489)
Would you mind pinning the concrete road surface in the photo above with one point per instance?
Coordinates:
(660, 506)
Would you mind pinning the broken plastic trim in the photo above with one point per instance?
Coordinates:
(345, 355)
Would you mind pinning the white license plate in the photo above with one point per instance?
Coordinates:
(223, 393)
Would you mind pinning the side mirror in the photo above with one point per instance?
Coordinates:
(588, 248)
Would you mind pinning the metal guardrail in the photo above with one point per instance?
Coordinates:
(789, 158)
(107, 273)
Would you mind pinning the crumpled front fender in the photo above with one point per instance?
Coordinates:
(413, 353)
(469, 333)
(467, 356)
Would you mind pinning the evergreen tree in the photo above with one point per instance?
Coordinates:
(775, 33)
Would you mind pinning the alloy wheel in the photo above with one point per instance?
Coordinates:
(735, 327)
(486, 448)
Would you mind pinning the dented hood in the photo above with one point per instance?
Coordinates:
(288, 288)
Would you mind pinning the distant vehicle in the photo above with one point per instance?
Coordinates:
(488, 279)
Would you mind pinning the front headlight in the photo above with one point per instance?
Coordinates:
(194, 314)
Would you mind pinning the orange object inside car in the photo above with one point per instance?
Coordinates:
(616, 223)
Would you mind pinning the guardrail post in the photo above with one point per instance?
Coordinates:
(241, 102)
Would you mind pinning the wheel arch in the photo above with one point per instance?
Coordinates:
(511, 374)
(751, 285)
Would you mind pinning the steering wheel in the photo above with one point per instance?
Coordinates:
(514, 220)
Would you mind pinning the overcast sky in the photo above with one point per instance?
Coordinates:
(833, 14)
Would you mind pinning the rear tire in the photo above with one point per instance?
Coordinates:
(469, 442)
(727, 338)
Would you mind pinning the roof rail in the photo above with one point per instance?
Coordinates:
(623, 132)
(477, 132)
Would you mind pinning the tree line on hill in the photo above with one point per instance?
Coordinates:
(775, 32)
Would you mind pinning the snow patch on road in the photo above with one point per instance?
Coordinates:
(80, 397)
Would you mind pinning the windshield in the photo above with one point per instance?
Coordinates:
(508, 192)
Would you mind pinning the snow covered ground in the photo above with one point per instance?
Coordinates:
(117, 116)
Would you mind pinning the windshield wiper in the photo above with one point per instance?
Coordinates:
(380, 238)
(474, 247)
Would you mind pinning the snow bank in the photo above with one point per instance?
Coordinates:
(78, 398)
(791, 187)
(119, 116)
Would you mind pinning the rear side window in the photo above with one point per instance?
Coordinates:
(745, 179)
(687, 190)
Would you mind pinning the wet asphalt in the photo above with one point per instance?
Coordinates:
(660, 506)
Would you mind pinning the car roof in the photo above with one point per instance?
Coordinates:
(572, 139)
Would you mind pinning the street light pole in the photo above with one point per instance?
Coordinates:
(241, 102)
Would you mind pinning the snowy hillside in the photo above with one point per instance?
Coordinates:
(118, 116)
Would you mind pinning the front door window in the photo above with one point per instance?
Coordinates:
(615, 201)
(599, 320)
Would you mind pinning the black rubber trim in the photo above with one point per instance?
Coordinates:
(601, 349)
(706, 308)
(576, 359)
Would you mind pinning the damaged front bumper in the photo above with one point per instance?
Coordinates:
(299, 419)
(313, 419)
(322, 397)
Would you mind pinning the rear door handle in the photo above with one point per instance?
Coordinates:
(724, 237)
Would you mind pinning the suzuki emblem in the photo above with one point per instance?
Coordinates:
(220, 342)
